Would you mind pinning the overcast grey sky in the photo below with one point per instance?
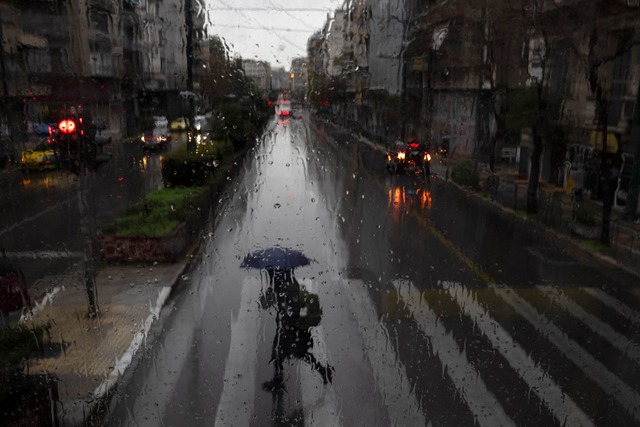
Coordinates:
(271, 30)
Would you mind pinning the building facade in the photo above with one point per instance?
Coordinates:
(117, 60)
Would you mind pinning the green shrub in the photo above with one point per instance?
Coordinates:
(181, 168)
(240, 121)
(159, 213)
(16, 344)
(583, 215)
(464, 173)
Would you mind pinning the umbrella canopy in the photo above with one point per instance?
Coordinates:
(276, 257)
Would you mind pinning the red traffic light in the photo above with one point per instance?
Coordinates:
(67, 126)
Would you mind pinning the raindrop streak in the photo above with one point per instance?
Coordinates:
(483, 404)
(563, 407)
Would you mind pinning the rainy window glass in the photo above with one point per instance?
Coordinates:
(334, 213)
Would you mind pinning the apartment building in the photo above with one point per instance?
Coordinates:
(119, 60)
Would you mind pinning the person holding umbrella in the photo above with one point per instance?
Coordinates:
(293, 338)
(297, 310)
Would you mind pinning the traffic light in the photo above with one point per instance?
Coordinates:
(292, 75)
(67, 126)
(76, 149)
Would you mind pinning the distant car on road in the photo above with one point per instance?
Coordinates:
(409, 158)
(41, 157)
(283, 109)
(155, 138)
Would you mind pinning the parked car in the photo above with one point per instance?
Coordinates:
(160, 122)
(155, 138)
(178, 124)
(14, 294)
(41, 157)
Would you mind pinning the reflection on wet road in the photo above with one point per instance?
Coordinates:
(430, 310)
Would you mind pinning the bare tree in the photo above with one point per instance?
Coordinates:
(503, 65)
(597, 57)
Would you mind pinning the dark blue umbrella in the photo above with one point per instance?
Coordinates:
(276, 257)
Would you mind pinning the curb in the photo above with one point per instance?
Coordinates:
(105, 390)
(86, 409)
(565, 241)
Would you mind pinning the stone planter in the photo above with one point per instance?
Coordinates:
(590, 232)
(144, 249)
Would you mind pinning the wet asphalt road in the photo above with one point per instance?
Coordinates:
(40, 211)
(434, 310)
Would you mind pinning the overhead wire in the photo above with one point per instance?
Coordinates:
(253, 27)
(260, 26)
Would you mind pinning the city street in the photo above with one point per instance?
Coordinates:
(434, 310)
(40, 210)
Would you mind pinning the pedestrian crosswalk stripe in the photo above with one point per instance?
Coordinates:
(319, 401)
(390, 374)
(561, 405)
(238, 395)
(610, 383)
(623, 309)
(482, 403)
(617, 340)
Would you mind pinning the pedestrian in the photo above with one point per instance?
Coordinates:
(293, 338)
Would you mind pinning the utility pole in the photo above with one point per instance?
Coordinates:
(75, 148)
(188, 11)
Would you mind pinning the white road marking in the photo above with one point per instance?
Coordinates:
(613, 337)
(36, 216)
(238, 395)
(43, 254)
(319, 401)
(610, 383)
(483, 404)
(623, 309)
(390, 374)
(561, 405)
(125, 360)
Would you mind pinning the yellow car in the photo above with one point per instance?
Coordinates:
(39, 158)
(178, 124)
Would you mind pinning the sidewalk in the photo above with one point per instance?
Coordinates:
(87, 356)
(555, 217)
